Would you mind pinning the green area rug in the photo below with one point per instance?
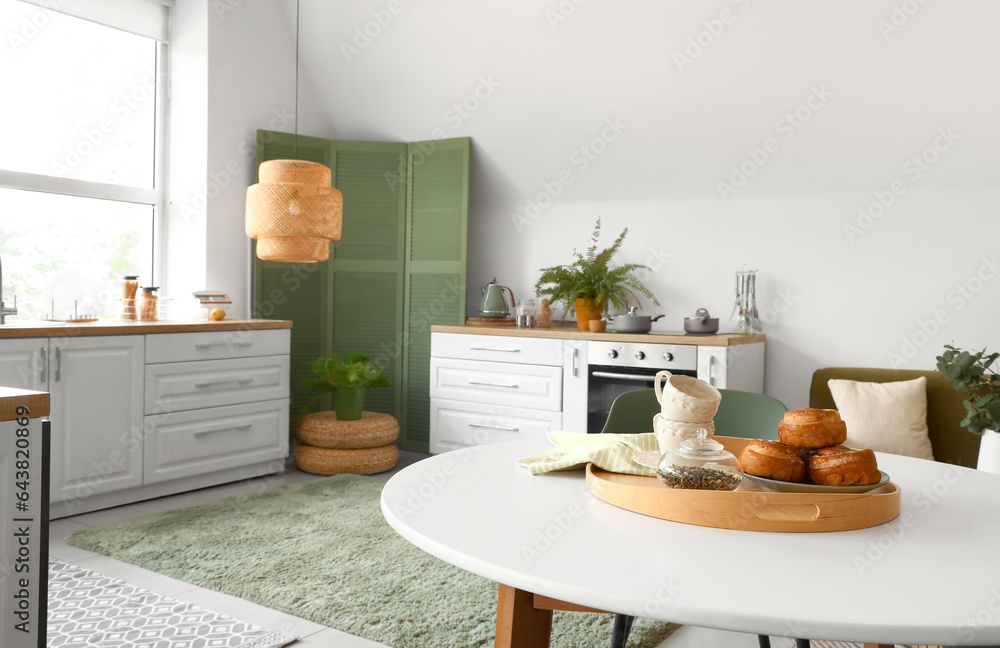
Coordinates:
(321, 550)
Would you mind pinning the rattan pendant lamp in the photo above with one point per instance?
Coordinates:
(294, 212)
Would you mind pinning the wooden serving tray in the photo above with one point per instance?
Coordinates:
(751, 508)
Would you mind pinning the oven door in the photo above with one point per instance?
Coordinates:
(606, 383)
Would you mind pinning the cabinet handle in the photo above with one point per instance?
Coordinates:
(576, 356)
(618, 376)
(711, 377)
(209, 345)
(58, 363)
(494, 427)
(486, 348)
(237, 381)
(44, 375)
(490, 384)
(238, 428)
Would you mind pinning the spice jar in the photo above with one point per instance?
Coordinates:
(149, 303)
(130, 286)
(700, 463)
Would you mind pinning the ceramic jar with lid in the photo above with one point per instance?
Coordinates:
(701, 463)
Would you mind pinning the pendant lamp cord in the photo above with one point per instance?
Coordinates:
(295, 145)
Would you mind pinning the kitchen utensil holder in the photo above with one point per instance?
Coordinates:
(746, 303)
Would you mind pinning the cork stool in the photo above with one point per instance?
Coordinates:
(330, 447)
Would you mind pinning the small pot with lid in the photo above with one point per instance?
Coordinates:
(633, 322)
(702, 322)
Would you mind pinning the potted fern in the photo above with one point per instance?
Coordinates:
(348, 379)
(973, 374)
(589, 284)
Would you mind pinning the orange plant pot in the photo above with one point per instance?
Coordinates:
(587, 310)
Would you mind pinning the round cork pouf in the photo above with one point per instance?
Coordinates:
(330, 447)
(322, 429)
(331, 461)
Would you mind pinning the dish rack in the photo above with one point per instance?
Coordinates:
(137, 310)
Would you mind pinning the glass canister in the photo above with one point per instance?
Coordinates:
(524, 314)
(700, 463)
(150, 304)
(130, 288)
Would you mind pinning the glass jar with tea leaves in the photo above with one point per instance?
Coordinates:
(700, 463)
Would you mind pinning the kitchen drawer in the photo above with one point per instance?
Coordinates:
(497, 348)
(497, 383)
(215, 345)
(184, 444)
(455, 424)
(181, 386)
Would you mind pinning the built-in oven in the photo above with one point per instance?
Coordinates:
(617, 367)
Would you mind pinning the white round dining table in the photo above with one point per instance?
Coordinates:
(930, 576)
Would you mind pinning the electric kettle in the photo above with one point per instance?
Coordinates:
(494, 303)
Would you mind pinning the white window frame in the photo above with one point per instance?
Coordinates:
(149, 18)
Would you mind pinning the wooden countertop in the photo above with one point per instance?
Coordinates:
(10, 399)
(570, 332)
(117, 327)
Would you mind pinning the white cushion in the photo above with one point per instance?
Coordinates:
(886, 417)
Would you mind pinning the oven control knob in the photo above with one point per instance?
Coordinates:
(612, 353)
(640, 355)
(669, 357)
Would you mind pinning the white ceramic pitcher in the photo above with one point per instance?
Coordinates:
(686, 398)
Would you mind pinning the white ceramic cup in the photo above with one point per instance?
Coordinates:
(670, 434)
(686, 399)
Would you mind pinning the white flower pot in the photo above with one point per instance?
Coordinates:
(989, 452)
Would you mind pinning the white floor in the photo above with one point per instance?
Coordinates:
(311, 634)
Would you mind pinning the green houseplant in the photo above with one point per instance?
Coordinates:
(973, 374)
(348, 379)
(589, 284)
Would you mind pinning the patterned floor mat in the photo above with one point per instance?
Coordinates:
(91, 610)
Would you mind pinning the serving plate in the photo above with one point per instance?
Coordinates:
(792, 487)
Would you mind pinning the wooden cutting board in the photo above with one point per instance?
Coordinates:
(490, 321)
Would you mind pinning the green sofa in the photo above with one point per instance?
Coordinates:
(951, 443)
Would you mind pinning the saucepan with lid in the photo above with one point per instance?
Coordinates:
(702, 323)
(633, 322)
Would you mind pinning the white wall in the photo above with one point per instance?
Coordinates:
(546, 88)
(233, 72)
(880, 93)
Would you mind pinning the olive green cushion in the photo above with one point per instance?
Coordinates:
(952, 443)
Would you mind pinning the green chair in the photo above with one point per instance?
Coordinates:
(741, 414)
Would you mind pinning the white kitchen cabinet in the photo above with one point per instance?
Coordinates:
(97, 419)
(95, 385)
(498, 384)
(488, 389)
(216, 401)
(147, 415)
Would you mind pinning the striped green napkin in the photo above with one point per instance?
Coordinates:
(612, 452)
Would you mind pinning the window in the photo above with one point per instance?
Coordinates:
(81, 164)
